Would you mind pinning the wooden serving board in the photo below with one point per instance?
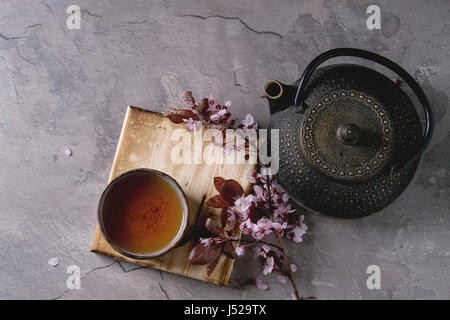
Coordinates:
(145, 142)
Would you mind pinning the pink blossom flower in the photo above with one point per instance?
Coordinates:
(248, 122)
(240, 250)
(251, 176)
(262, 228)
(397, 81)
(246, 225)
(277, 186)
(296, 234)
(241, 208)
(293, 267)
(262, 251)
(279, 226)
(192, 125)
(265, 226)
(219, 115)
(259, 191)
(66, 150)
(274, 197)
(53, 262)
(243, 204)
(260, 284)
(268, 265)
(212, 103)
(282, 211)
(281, 279)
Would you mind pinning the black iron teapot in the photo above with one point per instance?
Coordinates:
(350, 138)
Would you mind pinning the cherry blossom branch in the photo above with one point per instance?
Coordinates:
(256, 242)
(285, 257)
(265, 210)
(288, 266)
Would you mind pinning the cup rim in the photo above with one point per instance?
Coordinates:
(172, 244)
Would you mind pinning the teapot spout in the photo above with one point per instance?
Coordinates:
(279, 95)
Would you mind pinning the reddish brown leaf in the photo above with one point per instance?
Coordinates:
(231, 190)
(203, 105)
(182, 114)
(190, 114)
(217, 202)
(228, 249)
(203, 253)
(224, 217)
(175, 118)
(213, 227)
(218, 183)
(212, 265)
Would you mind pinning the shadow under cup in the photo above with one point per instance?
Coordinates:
(143, 213)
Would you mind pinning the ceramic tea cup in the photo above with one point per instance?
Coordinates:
(143, 213)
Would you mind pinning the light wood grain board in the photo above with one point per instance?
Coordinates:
(145, 142)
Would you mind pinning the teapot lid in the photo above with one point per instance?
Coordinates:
(347, 135)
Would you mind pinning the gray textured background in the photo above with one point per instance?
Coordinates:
(71, 87)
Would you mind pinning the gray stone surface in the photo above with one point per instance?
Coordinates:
(71, 87)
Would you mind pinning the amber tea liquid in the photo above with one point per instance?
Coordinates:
(143, 213)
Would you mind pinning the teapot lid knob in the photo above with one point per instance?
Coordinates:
(348, 133)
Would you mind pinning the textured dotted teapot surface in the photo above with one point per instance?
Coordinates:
(356, 188)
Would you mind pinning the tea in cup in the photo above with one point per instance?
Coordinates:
(143, 213)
